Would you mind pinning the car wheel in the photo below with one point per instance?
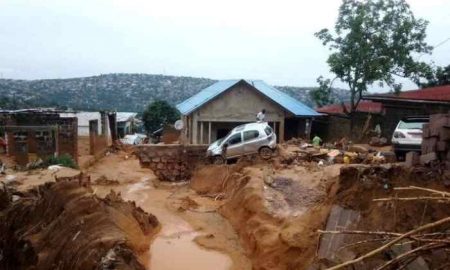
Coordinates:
(218, 160)
(265, 152)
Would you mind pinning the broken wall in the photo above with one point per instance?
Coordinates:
(40, 135)
(172, 162)
(98, 142)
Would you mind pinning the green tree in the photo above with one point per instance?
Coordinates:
(158, 113)
(374, 42)
(439, 76)
(322, 94)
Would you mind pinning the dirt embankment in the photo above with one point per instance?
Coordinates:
(358, 193)
(275, 213)
(63, 225)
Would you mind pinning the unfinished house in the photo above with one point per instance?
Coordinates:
(95, 131)
(37, 133)
(422, 102)
(214, 111)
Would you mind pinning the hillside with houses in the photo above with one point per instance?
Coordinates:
(121, 92)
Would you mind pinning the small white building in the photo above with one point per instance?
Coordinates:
(83, 121)
(125, 123)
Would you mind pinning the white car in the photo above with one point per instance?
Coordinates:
(408, 135)
(244, 140)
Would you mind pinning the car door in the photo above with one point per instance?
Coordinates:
(234, 145)
(252, 141)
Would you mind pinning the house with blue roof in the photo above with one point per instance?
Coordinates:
(214, 111)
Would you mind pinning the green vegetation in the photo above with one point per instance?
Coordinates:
(157, 114)
(374, 42)
(439, 76)
(121, 92)
(64, 160)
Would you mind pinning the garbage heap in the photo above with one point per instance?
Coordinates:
(436, 140)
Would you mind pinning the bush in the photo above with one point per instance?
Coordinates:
(64, 160)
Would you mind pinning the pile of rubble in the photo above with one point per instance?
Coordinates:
(331, 154)
(436, 140)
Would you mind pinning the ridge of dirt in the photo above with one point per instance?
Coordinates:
(63, 225)
(276, 226)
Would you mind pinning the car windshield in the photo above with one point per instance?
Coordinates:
(410, 125)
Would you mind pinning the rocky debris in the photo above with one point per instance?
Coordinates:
(63, 225)
(378, 141)
(351, 154)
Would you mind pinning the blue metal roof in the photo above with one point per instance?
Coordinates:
(284, 100)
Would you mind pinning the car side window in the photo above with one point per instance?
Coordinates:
(235, 139)
(250, 135)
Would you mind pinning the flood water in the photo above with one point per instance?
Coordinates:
(173, 248)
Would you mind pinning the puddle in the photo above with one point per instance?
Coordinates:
(173, 248)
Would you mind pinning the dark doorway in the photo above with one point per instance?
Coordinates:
(222, 132)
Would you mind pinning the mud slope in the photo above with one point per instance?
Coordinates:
(277, 219)
(62, 225)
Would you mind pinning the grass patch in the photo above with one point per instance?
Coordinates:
(64, 160)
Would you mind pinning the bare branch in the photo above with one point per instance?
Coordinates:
(390, 243)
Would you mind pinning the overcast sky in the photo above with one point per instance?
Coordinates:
(268, 40)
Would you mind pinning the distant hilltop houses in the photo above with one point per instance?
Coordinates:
(124, 92)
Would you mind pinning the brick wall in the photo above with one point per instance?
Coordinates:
(42, 134)
(171, 162)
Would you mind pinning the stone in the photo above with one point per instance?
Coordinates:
(412, 159)
(427, 158)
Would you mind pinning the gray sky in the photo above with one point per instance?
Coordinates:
(268, 40)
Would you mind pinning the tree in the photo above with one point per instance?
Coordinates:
(440, 76)
(374, 42)
(158, 113)
(322, 94)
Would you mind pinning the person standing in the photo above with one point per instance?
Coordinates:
(261, 115)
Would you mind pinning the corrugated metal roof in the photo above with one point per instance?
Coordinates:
(363, 106)
(437, 93)
(125, 116)
(284, 100)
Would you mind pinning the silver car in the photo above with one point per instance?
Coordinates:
(245, 139)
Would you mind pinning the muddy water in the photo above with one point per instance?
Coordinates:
(173, 248)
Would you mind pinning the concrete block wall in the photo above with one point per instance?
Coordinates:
(172, 162)
(436, 139)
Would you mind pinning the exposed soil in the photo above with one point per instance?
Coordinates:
(359, 185)
(62, 225)
(250, 215)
